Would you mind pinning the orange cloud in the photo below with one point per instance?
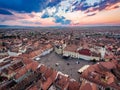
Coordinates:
(114, 6)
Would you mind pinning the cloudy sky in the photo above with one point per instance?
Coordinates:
(59, 12)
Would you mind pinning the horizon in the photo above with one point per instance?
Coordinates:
(58, 27)
(7, 26)
(65, 13)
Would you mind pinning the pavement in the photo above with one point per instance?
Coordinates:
(66, 66)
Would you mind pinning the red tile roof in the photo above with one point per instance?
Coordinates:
(62, 82)
(42, 69)
(73, 85)
(101, 74)
(73, 49)
(48, 76)
(86, 86)
(85, 52)
(108, 65)
(23, 70)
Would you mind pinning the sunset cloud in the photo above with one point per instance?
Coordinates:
(59, 12)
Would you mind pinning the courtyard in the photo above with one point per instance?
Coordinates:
(66, 66)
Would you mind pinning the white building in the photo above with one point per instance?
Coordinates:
(58, 50)
(13, 53)
(71, 51)
(47, 51)
(82, 69)
(102, 52)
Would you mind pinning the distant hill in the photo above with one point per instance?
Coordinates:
(7, 26)
(3, 25)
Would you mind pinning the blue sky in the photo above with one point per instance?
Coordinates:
(59, 12)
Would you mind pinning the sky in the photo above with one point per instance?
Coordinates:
(59, 12)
